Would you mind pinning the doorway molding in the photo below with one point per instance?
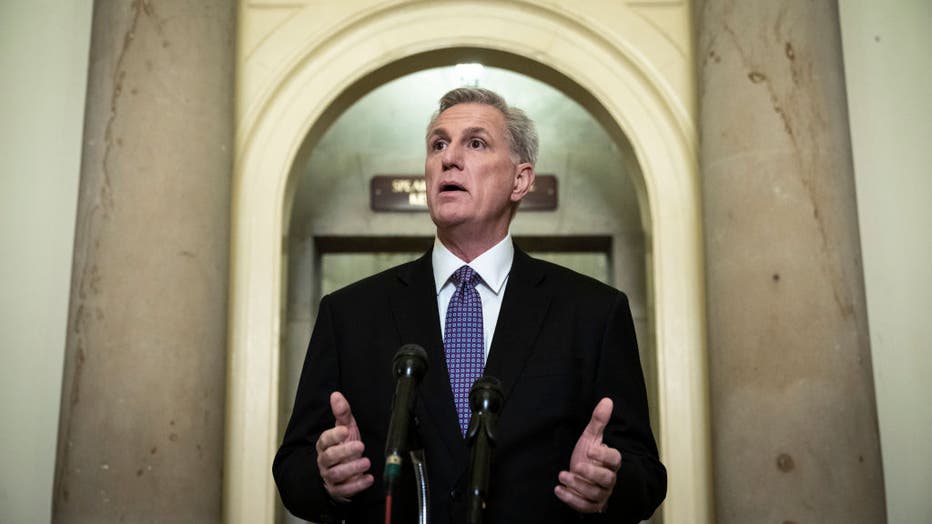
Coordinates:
(324, 73)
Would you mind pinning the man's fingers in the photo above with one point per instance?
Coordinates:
(344, 472)
(593, 474)
(339, 453)
(606, 456)
(600, 417)
(582, 487)
(351, 487)
(591, 479)
(332, 437)
(344, 452)
(341, 410)
(575, 501)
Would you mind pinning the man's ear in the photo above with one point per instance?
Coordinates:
(524, 179)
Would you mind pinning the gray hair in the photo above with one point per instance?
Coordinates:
(519, 129)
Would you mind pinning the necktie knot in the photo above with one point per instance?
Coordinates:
(465, 276)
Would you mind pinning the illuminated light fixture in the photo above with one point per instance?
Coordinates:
(467, 74)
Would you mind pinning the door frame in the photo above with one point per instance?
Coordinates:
(322, 77)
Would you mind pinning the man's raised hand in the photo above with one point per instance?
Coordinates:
(593, 466)
(339, 453)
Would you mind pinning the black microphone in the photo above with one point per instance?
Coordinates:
(409, 366)
(485, 400)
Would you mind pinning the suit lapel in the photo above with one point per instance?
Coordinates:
(524, 307)
(414, 306)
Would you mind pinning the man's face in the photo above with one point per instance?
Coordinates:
(472, 180)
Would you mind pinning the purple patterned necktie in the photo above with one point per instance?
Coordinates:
(463, 340)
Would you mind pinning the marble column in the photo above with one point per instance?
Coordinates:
(794, 424)
(141, 430)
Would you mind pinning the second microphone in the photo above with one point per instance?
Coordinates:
(409, 366)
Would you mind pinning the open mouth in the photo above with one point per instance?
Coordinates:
(451, 187)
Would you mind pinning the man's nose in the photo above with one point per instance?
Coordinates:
(452, 157)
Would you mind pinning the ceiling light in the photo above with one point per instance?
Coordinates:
(468, 74)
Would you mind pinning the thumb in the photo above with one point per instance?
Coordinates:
(341, 410)
(600, 417)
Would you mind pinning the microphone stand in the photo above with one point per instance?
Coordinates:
(419, 461)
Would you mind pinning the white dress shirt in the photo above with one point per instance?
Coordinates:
(492, 266)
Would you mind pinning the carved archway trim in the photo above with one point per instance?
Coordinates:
(311, 88)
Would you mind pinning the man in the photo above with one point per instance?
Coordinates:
(574, 440)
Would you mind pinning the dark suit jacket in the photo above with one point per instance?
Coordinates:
(562, 342)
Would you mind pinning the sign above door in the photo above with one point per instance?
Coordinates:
(409, 193)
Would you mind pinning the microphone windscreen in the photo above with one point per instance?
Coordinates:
(486, 394)
(411, 359)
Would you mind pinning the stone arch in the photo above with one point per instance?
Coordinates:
(327, 75)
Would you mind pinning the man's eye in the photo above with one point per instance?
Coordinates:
(475, 143)
(438, 145)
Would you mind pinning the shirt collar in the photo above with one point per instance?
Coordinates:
(493, 266)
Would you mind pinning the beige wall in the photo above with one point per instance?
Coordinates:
(889, 78)
(43, 59)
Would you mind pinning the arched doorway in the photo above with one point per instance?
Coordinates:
(328, 76)
(336, 238)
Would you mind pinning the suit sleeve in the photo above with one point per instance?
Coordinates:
(642, 480)
(295, 466)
